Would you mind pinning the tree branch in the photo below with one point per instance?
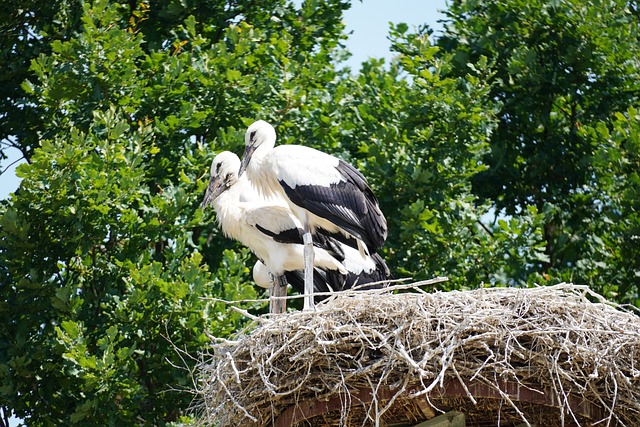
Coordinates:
(11, 164)
(489, 232)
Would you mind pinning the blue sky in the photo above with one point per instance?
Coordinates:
(368, 23)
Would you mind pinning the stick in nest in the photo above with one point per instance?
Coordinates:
(544, 340)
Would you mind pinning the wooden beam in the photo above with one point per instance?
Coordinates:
(518, 392)
(425, 408)
(450, 419)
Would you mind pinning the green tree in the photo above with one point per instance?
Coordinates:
(561, 70)
(105, 256)
(419, 135)
(32, 28)
(614, 240)
(26, 31)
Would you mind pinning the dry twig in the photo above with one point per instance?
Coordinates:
(562, 343)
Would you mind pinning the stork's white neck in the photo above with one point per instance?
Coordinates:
(260, 173)
(228, 212)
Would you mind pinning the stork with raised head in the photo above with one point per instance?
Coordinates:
(269, 229)
(322, 191)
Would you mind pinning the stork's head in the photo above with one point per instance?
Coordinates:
(224, 173)
(259, 134)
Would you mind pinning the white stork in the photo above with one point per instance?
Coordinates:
(242, 213)
(322, 191)
(269, 229)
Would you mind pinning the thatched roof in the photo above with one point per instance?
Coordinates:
(551, 356)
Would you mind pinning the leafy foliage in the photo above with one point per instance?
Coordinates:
(27, 32)
(506, 153)
(564, 71)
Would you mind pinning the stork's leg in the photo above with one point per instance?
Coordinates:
(278, 289)
(309, 255)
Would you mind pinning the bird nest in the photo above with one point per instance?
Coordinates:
(552, 356)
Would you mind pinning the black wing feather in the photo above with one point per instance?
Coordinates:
(349, 204)
(296, 280)
(290, 236)
(328, 242)
(361, 281)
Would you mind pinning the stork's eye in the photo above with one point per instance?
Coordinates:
(252, 135)
(218, 168)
